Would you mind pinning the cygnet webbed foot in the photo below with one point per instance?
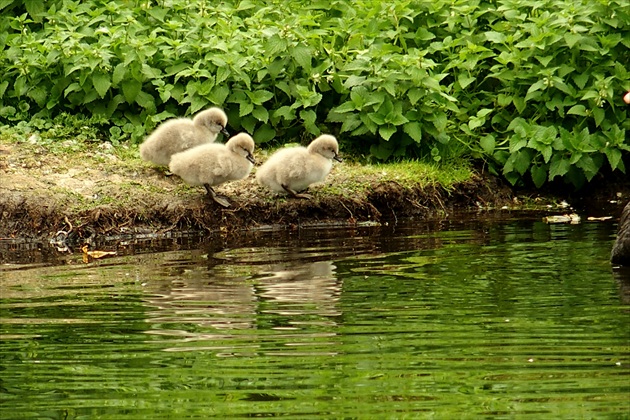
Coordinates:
(295, 194)
(217, 198)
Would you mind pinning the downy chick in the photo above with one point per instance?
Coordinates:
(213, 164)
(293, 169)
(179, 134)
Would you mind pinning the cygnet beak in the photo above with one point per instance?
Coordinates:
(225, 133)
(337, 158)
(250, 157)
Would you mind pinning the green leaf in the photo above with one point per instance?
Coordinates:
(130, 89)
(588, 166)
(439, 121)
(464, 80)
(101, 83)
(559, 167)
(308, 116)
(536, 86)
(522, 160)
(539, 175)
(614, 157)
(387, 131)
(261, 113)
(286, 112)
(302, 55)
(345, 107)
(258, 97)
(39, 95)
(264, 133)
(351, 122)
(119, 73)
(577, 110)
(354, 80)
(599, 114)
(571, 39)
(488, 143)
(580, 79)
(414, 95)
(219, 94)
(414, 130)
(275, 45)
(245, 108)
(146, 101)
(495, 37)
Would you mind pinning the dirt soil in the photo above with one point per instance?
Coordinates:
(97, 192)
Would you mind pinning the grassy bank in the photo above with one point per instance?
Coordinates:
(60, 179)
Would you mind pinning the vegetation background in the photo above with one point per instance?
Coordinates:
(532, 87)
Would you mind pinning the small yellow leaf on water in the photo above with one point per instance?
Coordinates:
(96, 254)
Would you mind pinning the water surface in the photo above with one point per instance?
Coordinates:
(477, 319)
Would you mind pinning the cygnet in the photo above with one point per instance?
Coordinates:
(293, 169)
(179, 134)
(213, 164)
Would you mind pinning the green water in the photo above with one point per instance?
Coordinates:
(494, 319)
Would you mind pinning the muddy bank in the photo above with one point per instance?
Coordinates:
(102, 191)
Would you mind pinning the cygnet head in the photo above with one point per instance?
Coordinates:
(326, 145)
(242, 144)
(213, 119)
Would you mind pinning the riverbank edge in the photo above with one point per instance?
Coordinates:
(47, 194)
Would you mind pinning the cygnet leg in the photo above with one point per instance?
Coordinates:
(295, 194)
(219, 199)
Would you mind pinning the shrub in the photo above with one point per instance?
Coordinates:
(532, 87)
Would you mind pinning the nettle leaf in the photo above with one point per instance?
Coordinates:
(350, 123)
(559, 167)
(495, 37)
(439, 121)
(119, 73)
(387, 131)
(539, 175)
(414, 95)
(258, 97)
(131, 88)
(599, 114)
(589, 166)
(219, 94)
(222, 74)
(286, 112)
(580, 79)
(245, 108)
(522, 160)
(464, 80)
(101, 83)
(414, 130)
(264, 133)
(308, 116)
(577, 110)
(275, 44)
(354, 80)
(261, 113)
(347, 106)
(488, 143)
(302, 55)
(39, 95)
(614, 157)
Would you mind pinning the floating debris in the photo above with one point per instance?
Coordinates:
(564, 218)
(598, 219)
(87, 254)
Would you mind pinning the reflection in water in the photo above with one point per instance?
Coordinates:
(482, 319)
(221, 295)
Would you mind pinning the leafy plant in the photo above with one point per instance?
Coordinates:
(531, 87)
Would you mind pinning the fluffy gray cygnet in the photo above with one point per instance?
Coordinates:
(179, 134)
(293, 169)
(213, 164)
